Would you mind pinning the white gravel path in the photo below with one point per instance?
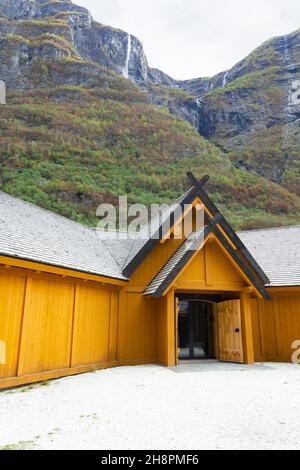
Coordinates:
(197, 406)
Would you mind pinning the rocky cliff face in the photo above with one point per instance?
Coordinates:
(62, 21)
(252, 111)
(51, 43)
(259, 92)
(255, 114)
(104, 45)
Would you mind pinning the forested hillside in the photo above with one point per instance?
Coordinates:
(76, 131)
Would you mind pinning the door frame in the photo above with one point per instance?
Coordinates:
(210, 333)
(247, 333)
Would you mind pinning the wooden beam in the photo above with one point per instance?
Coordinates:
(54, 374)
(170, 314)
(227, 227)
(234, 254)
(249, 290)
(204, 180)
(182, 264)
(247, 328)
(155, 239)
(50, 269)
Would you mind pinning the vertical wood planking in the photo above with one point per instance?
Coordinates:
(230, 331)
(162, 332)
(288, 318)
(12, 290)
(91, 326)
(279, 323)
(171, 344)
(176, 316)
(113, 329)
(47, 326)
(138, 320)
(256, 329)
(216, 331)
(247, 333)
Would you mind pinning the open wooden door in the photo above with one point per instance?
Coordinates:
(230, 331)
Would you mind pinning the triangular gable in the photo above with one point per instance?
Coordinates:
(148, 239)
(178, 261)
(217, 219)
(187, 254)
(215, 223)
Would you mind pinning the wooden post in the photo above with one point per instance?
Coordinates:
(247, 327)
(171, 346)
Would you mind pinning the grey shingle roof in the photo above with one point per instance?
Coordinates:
(118, 246)
(31, 233)
(277, 251)
(149, 231)
(175, 264)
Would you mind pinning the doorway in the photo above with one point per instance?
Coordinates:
(195, 330)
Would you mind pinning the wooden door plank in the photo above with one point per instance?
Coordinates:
(230, 331)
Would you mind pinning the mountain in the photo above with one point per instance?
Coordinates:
(34, 33)
(255, 115)
(87, 119)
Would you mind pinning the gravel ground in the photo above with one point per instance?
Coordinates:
(195, 406)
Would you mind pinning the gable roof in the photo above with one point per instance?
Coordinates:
(277, 251)
(143, 245)
(176, 263)
(34, 234)
(186, 251)
(30, 233)
(154, 231)
(218, 225)
(219, 220)
(118, 247)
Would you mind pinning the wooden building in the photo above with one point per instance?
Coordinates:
(71, 302)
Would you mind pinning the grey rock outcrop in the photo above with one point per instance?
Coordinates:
(45, 44)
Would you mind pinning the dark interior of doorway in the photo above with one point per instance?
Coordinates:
(195, 329)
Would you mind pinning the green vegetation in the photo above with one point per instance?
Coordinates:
(275, 152)
(70, 148)
(255, 80)
(22, 445)
(255, 117)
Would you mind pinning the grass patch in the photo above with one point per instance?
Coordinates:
(22, 445)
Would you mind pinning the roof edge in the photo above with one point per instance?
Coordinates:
(33, 264)
(195, 247)
(152, 242)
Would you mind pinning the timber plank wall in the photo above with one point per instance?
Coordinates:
(276, 325)
(54, 327)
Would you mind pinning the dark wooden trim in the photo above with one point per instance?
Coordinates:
(210, 228)
(151, 243)
(203, 180)
(234, 254)
(219, 219)
(227, 227)
(180, 265)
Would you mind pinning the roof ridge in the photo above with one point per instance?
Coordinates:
(149, 224)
